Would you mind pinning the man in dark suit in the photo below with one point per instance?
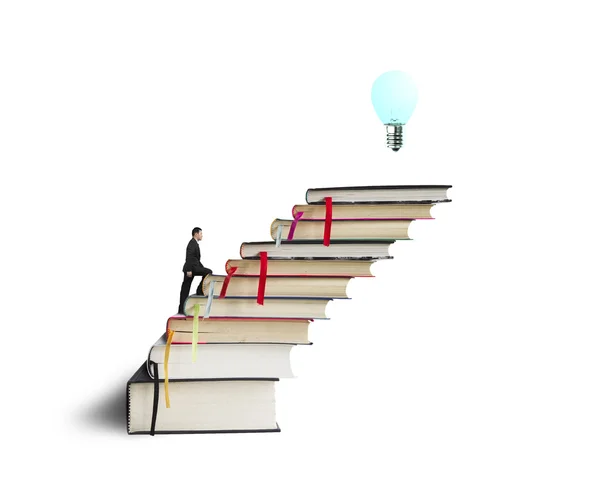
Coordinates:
(192, 267)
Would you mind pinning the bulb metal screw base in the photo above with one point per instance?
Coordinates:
(394, 136)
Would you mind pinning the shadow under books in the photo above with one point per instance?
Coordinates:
(108, 412)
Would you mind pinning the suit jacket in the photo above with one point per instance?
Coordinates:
(192, 257)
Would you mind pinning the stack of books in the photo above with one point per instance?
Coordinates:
(215, 368)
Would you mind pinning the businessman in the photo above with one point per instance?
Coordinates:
(192, 267)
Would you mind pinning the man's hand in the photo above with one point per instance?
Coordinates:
(189, 274)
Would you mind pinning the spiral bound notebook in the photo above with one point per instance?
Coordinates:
(200, 405)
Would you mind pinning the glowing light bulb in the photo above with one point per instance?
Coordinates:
(394, 97)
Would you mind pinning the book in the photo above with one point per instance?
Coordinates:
(239, 330)
(200, 405)
(298, 267)
(275, 286)
(380, 194)
(247, 306)
(306, 249)
(358, 211)
(231, 360)
(344, 229)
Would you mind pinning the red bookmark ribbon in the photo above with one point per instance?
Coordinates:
(293, 225)
(328, 217)
(262, 280)
(226, 282)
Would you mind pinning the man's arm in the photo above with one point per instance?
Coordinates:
(190, 258)
(189, 253)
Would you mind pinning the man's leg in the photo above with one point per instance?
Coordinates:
(203, 272)
(185, 291)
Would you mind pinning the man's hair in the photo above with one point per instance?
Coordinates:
(196, 230)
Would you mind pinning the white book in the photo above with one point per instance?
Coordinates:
(200, 405)
(222, 360)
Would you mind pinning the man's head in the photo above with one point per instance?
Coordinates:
(197, 233)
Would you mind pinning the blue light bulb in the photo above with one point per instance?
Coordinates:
(394, 97)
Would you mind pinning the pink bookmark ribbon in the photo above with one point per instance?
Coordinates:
(293, 225)
(328, 217)
(262, 280)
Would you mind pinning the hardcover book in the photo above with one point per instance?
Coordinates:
(284, 286)
(307, 249)
(240, 330)
(229, 360)
(344, 229)
(380, 194)
(247, 306)
(200, 405)
(363, 211)
(298, 267)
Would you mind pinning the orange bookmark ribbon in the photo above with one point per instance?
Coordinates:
(328, 217)
(262, 280)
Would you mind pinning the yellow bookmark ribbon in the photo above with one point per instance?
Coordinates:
(166, 366)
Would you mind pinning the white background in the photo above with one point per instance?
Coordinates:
(473, 354)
